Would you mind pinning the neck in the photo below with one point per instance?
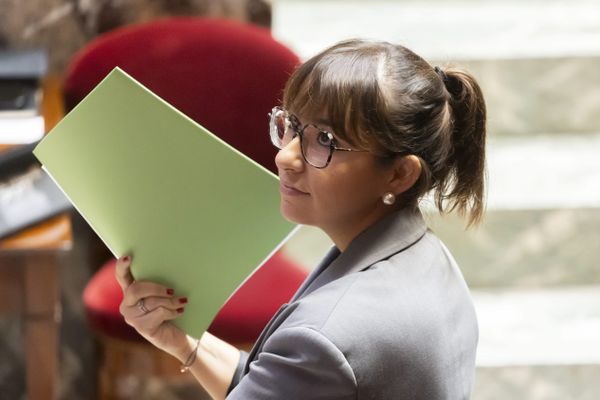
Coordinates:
(343, 233)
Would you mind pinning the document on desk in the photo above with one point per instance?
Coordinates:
(197, 215)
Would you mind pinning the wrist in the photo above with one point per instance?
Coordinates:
(191, 358)
(188, 346)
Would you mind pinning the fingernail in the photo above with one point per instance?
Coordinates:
(170, 292)
(183, 300)
(126, 258)
(180, 310)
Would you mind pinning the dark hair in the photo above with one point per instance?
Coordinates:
(385, 98)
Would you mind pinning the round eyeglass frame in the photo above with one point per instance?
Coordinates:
(299, 131)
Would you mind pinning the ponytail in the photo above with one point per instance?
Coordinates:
(463, 186)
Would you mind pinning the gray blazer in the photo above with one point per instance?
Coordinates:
(389, 318)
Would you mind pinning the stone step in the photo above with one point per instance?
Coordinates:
(538, 344)
(550, 326)
(526, 248)
(533, 95)
(535, 60)
(537, 382)
(516, 248)
(541, 227)
(473, 29)
(544, 172)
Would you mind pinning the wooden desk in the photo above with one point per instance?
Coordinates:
(29, 279)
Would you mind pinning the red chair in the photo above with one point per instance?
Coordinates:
(223, 74)
(227, 76)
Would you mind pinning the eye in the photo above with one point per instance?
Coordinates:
(325, 138)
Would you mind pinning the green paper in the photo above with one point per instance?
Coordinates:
(197, 215)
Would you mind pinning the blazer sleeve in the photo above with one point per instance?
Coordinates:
(297, 363)
(239, 371)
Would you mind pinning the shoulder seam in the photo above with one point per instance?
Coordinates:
(318, 332)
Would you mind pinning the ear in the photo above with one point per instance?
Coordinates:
(405, 172)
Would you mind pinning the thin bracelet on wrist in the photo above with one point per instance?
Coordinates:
(191, 358)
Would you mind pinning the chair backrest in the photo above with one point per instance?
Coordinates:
(225, 75)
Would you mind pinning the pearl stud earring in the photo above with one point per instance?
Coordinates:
(389, 199)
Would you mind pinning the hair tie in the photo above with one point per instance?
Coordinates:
(442, 75)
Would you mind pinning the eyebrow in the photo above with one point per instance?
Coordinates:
(323, 121)
(319, 121)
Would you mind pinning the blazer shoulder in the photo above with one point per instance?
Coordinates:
(294, 362)
(404, 284)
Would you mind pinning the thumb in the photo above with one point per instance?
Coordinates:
(123, 272)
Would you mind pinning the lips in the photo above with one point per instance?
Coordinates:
(288, 189)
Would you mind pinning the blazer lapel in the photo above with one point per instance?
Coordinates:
(331, 255)
(281, 314)
(385, 238)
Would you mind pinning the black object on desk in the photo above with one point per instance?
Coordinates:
(20, 74)
(20, 95)
(27, 193)
(17, 160)
(23, 64)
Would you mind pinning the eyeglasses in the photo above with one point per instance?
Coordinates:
(317, 145)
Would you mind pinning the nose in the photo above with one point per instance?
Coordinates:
(290, 156)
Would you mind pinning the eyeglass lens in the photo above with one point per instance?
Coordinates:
(315, 143)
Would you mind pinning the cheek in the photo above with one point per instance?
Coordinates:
(345, 188)
(325, 187)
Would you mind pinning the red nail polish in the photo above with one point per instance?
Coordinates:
(180, 310)
(183, 300)
(126, 258)
(170, 291)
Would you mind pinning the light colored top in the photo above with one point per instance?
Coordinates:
(389, 318)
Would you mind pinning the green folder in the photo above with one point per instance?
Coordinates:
(197, 215)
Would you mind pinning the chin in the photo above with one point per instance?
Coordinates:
(293, 215)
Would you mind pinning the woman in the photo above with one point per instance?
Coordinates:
(365, 131)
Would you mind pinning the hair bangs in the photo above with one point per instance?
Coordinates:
(341, 87)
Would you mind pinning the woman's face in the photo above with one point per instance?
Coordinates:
(345, 195)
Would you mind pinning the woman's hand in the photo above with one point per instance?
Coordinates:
(150, 308)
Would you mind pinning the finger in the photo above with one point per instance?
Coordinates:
(151, 304)
(173, 303)
(123, 272)
(148, 323)
(143, 290)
